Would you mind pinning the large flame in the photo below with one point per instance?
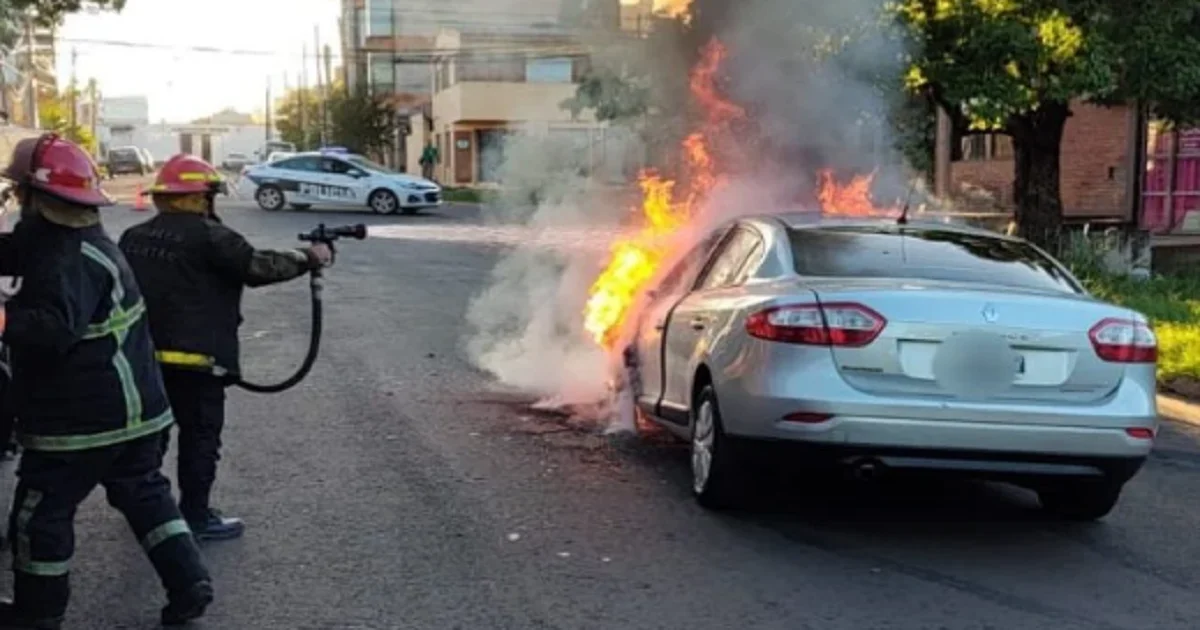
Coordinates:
(852, 199)
(664, 210)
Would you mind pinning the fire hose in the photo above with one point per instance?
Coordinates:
(325, 236)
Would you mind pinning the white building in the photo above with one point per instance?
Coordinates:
(125, 121)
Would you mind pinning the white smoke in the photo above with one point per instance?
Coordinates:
(804, 114)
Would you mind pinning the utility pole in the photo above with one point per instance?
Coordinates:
(300, 97)
(328, 84)
(269, 119)
(31, 100)
(73, 91)
(95, 100)
(321, 85)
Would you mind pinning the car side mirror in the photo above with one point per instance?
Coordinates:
(357, 174)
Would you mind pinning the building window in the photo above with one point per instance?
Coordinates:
(548, 70)
(379, 19)
(382, 73)
(496, 68)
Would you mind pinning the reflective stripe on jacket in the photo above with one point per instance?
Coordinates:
(84, 373)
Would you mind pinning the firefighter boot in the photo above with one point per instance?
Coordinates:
(12, 619)
(187, 605)
(215, 526)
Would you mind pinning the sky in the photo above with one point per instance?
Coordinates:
(181, 84)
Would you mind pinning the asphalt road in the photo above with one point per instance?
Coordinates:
(396, 490)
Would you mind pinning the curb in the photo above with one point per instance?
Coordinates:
(1178, 410)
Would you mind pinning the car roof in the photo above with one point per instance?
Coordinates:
(816, 220)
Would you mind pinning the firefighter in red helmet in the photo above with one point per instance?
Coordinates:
(89, 395)
(192, 269)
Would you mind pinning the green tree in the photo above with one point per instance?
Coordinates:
(302, 130)
(1016, 66)
(360, 121)
(43, 13)
(55, 114)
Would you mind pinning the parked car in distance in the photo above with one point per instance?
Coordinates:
(127, 161)
(876, 347)
(234, 162)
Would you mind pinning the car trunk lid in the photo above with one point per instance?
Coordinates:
(973, 341)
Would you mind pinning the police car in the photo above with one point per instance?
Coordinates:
(335, 177)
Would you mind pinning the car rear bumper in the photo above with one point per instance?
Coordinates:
(1017, 467)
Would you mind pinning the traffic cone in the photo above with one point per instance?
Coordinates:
(139, 205)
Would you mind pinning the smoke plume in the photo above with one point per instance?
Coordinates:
(812, 101)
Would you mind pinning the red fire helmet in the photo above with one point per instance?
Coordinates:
(185, 174)
(58, 167)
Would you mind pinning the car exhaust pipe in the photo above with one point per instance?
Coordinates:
(867, 469)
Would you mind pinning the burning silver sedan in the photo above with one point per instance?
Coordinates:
(879, 346)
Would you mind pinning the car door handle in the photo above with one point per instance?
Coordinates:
(698, 323)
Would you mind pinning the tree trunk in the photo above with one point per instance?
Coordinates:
(1037, 143)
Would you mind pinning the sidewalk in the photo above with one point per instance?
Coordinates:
(1179, 410)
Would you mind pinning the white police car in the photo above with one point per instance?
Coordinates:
(334, 177)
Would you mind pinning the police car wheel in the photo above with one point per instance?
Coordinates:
(383, 202)
(269, 198)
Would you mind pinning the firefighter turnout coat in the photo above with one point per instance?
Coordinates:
(84, 371)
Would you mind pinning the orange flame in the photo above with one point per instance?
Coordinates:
(849, 200)
(635, 261)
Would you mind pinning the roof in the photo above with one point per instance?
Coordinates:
(817, 220)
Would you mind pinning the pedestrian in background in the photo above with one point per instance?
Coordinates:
(429, 157)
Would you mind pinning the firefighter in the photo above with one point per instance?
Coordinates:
(193, 269)
(89, 395)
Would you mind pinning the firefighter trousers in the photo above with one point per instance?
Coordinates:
(50, 487)
(198, 401)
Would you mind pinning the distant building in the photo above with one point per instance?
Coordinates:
(390, 45)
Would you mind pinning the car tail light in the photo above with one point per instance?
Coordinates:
(842, 324)
(1140, 433)
(1124, 341)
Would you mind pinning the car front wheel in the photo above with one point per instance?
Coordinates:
(716, 477)
(383, 202)
(1080, 501)
(269, 198)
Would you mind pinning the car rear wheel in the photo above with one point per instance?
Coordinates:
(383, 202)
(269, 198)
(1080, 501)
(716, 475)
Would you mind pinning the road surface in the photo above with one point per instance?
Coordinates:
(394, 491)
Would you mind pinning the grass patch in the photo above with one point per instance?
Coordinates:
(468, 195)
(1172, 303)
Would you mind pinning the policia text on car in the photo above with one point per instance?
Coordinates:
(89, 396)
(192, 269)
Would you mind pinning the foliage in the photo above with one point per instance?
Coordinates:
(55, 114)
(1015, 66)
(44, 13)
(298, 116)
(361, 122)
(357, 120)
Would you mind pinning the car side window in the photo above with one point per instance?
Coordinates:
(688, 267)
(753, 260)
(308, 164)
(337, 167)
(729, 259)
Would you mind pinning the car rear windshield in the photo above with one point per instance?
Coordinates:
(122, 154)
(927, 254)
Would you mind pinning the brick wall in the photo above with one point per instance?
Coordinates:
(1094, 165)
